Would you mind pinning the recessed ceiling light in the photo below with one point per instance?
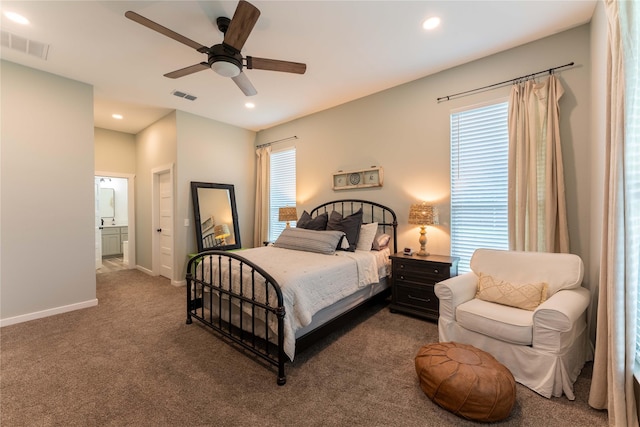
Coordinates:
(431, 23)
(117, 116)
(250, 105)
(16, 17)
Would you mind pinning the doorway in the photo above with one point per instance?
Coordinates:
(115, 221)
(163, 221)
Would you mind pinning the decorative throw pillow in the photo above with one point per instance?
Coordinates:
(367, 234)
(381, 241)
(300, 239)
(349, 225)
(317, 223)
(527, 296)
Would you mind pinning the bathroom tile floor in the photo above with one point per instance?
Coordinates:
(111, 264)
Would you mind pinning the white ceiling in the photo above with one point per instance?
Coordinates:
(351, 48)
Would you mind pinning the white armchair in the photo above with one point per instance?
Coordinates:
(544, 348)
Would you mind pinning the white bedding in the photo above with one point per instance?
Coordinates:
(311, 281)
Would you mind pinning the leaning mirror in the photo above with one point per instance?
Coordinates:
(215, 216)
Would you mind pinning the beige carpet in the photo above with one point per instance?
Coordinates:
(132, 360)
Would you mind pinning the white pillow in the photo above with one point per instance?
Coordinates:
(367, 234)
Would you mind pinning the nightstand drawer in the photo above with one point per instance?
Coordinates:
(418, 297)
(435, 272)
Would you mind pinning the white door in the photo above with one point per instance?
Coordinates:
(98, 225)
(165, 222)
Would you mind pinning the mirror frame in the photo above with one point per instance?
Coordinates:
(197, 216)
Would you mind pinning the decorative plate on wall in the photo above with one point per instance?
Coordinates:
(347, 180)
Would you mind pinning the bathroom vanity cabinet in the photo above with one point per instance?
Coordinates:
(112, 238)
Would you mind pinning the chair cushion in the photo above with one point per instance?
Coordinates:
(501, 322)
(561, 271)
(465, 380)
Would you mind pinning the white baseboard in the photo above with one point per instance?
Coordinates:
(176, 283)
(144, 270)
(49, 312)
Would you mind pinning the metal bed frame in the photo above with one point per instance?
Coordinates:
(257, 295)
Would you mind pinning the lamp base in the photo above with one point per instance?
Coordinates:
(423, 242)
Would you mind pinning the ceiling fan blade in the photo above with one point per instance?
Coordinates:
(275, 65)
(244, 84)
(165, 31)
(188, 70)
(243, 21)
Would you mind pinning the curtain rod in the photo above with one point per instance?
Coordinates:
(527, 76)
(266, 144)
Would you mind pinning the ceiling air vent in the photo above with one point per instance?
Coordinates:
(184, 95)
(30, 47)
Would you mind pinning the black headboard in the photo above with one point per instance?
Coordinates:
(371, 212)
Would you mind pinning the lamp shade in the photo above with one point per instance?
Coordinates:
(421, 214)
(221, 231)
(287, 213)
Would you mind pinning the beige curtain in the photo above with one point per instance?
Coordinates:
(537, 209)
(261, 225)
(612, 379)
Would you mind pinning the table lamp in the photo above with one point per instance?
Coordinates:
(287, 214)
(421, 214)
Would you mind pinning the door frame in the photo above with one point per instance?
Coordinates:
(155, 217)
(131, 210)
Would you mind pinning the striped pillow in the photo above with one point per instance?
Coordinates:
(301, 239)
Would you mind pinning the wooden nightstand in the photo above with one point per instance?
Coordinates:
(413, 278)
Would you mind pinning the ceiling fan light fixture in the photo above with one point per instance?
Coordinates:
(225, 69)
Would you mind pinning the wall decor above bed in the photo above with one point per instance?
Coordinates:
(363, 178)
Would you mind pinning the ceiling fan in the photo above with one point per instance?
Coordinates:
(225, 58)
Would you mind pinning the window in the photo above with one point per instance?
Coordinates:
(282, 188)
(479, 180)
(630, 28)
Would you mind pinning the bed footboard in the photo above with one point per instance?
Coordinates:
(240, 301)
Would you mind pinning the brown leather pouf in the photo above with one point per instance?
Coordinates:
(465, 380)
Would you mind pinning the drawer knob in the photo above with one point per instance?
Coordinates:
(401, 265)
(401, 277)
(437, 271)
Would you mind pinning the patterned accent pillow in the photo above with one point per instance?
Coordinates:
(527, 296)
(301, 239)
(381, 241)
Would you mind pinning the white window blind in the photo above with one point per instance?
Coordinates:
(479, 175)
(630, 28)
(282, 188)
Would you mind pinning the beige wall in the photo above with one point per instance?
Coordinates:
(47, 241)
(406, 131)
(198, 149)
(115, 151)
(211, 151)
(155, 148)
